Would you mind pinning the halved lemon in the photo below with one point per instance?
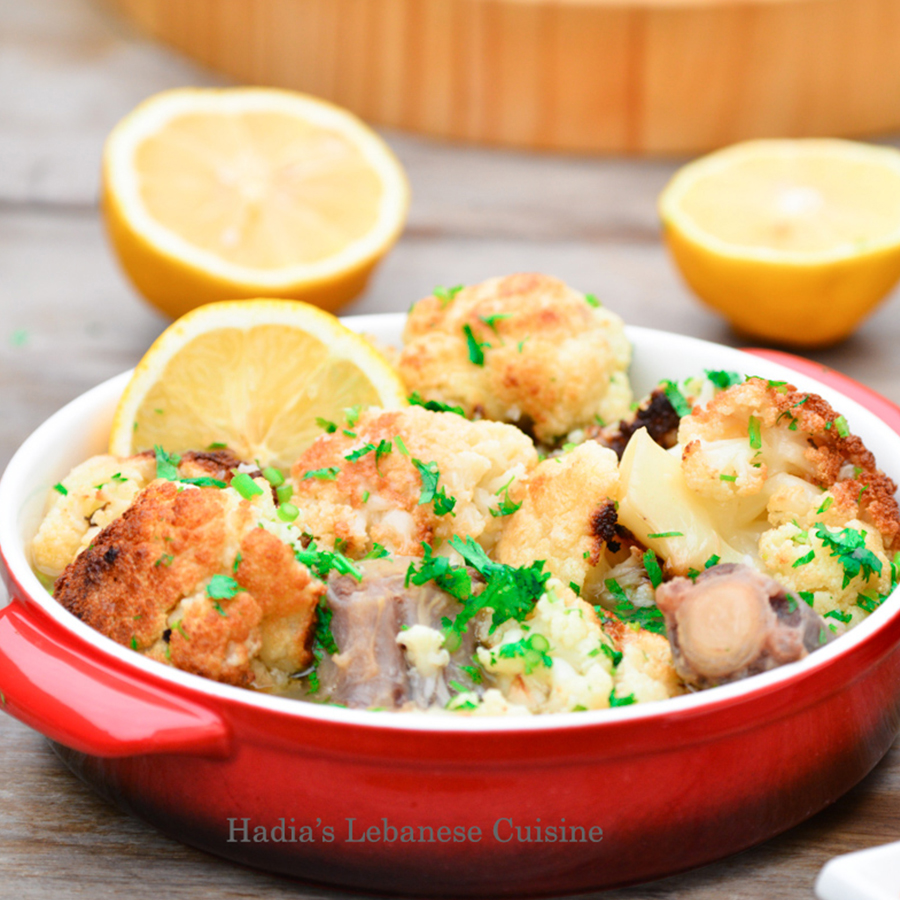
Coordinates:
(795, 241)
(253, 376)
(215, 194)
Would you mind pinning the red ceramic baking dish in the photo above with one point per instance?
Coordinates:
(434, 804)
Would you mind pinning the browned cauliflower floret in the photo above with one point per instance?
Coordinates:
(409, 476)
(785, 475)
(745, 436)
(524, 349)
(100, 490)
(567, 516)
(187, 577)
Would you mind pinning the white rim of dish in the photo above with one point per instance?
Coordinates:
(164, 107)
(687, 704)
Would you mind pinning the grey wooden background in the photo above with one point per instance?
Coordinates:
(69, 69)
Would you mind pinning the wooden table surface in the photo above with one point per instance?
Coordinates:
(69, 69)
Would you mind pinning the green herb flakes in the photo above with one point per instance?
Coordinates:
(434, 405)
(60, 488)
(754, 433)
(222, 587)
(476, 351)
(329, 473)
(676, 398)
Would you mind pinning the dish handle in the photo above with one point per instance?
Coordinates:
(887, 411)
(90, 705)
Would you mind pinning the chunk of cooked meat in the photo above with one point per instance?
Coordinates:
(100, 490)
(391, 647)
(656, 414)
(567, 517)
(524, 349)
(187, 577)
(408, 476)
(733, 622)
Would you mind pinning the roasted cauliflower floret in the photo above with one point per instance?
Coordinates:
(188, 577)
(524, 349)
(757, 430)
(84, 502)
(408, 476)
(841, 571)
(100, 490)
(555, 660)
(567, 516)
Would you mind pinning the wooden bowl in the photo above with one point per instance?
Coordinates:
(622, 76)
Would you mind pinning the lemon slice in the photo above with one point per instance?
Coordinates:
(793, 240)
(215, 194)
(252, 376)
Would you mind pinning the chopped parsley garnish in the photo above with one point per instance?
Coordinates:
(474, 672)
(575, 587)
(204, 481)
(134, 646)
(842, 428)
(180, 629)
(803, 560)
(839, 615)
(653, 569)
(330, 427)
(712, 561)
(60, 488)
(491, 321)
(826, 504)
(377, 552)
(430, 475)
(384, 447)
(849, 546)
(476, 353)
(722, 378)
(753, 431)
(166, 464)
(351, 415)
(647, 617)
(869, 604)
(676, 398)
(323, 635)
(521, 344)
(614, 655)
(245, 485)
(416, 399)
(616, 590)
(532, 649)
(665, 534)
(165, 560)
(359, 453)
(218, 608)
(445, 295)
(365, 496)
(222, 587)
(506, 507)
(119, 477)
(400, 445)
(808, 597)
(509, 592)
(780, 386)
(727, 477)
(217, 445)
(323, 561)
(592, 301)
(620, 701)
(329, 473)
